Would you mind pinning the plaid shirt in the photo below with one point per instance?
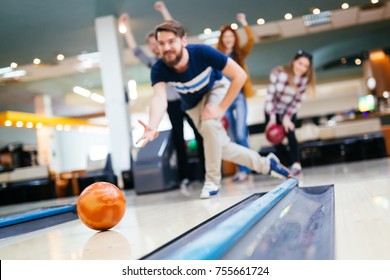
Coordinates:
(283, 99)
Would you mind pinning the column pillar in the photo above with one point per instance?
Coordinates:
(48, 149)
(116, 106)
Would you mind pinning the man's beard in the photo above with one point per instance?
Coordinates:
(174, 62)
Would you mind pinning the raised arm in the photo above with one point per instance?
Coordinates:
(124, 24)
(160, 6)
(241, 17)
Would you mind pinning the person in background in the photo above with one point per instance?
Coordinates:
(236, 115)
(208, 82)
(286, 88)
(176, 114)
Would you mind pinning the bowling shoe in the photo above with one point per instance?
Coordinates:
(209, 190)
(240, 176)
(278, 170)
(296, 169)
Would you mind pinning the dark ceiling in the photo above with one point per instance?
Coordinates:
(43, 28)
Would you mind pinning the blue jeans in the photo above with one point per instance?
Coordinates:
(238, 130)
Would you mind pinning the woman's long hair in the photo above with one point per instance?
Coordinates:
(289, 69)
(237, 52)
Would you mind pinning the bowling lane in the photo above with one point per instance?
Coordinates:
(149, 222)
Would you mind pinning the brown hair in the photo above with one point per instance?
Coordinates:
(170, 26)
(288, 68)
(237, 51)
(150, 34)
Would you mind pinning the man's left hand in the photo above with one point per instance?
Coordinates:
(211, 111)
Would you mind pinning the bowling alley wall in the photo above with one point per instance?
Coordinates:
(72, 147)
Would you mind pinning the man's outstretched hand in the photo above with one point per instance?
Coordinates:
(149, 134)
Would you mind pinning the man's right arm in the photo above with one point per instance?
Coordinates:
(157, 107)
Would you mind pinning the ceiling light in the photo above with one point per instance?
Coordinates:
(81, 91)
(36, 61)
(122, 29)
(288, 16)
(9, 118)
(5, 70)
(98, 98)
(14, 74)
(344, 6)
(88, 60)
(234, 26)
(210, 39)
(132, 87)
(207, 31)
(60, 57)
(316, 11)
(358, 61)
(13, 65)
(261, 21)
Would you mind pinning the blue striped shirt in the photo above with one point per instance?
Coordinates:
(204, 68)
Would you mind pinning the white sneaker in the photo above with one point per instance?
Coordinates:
(296, 169)
(185, 183)
(272, 155)
(240, 176)
(209, 190)
(185, 187)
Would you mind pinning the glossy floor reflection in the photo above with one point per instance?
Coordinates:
(362, 217)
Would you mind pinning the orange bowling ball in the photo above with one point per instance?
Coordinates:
(101, 206)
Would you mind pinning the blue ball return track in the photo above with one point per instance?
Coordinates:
(36, 219)
(289, 222)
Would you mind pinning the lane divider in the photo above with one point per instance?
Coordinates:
(213, 244)
(35, 214)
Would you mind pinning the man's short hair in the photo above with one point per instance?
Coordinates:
(170, 26)
(150, 34)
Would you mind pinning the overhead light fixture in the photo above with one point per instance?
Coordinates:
(132, 87)
(98, 98)
(22, 119)
(5, 70)
(14, 74)
(210, 38)
(234, 26)
(82, 91)
(89, 60)
(60, 57)
(288, 16)
(317, 19)
(260, 21)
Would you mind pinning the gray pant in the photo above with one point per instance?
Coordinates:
(216, 142)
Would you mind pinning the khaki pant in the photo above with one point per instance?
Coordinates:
(217, 143)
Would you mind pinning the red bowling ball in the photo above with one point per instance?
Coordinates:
(275, 134)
